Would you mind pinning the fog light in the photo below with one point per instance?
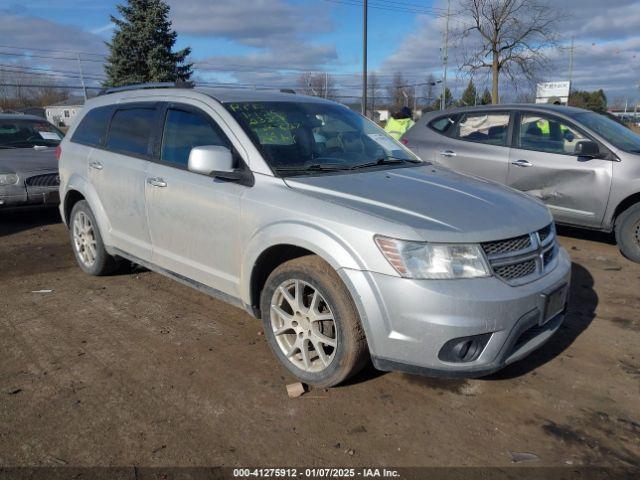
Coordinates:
(464, 349)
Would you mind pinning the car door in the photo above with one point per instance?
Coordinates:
(478, 145)
(543, 163)
(193, 218)
(118, 173)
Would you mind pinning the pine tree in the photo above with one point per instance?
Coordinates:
(486, 97)
(141, 46)
(448, 100)
(469, 96)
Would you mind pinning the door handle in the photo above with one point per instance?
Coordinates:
(96, 165)
(157, 182)
(522, 163)
(448, 153)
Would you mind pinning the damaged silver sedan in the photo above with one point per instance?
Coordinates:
(584, 166)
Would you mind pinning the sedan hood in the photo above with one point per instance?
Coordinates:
(440, 205)
(21, 160)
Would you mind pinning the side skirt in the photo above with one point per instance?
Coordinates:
(212, 292)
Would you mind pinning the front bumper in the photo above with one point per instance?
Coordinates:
(19, 195)
(407, 322)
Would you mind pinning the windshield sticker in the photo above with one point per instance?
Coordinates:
(384, 141)
(49, 135)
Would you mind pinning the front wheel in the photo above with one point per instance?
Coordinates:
(628, 232)
(311, 322)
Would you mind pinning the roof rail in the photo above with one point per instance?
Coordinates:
(144, 86)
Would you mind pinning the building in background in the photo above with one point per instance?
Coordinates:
(62, 114)
(553, 92)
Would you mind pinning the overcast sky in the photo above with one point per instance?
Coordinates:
(268, 42)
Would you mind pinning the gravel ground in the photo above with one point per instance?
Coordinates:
(135, 369)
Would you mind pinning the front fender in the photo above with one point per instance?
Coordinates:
(326, 244)
(81, 185)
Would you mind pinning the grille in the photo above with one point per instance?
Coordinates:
(507, 246)
(517, 260)
(548, 256)
(48, 180)
(544, 233)
(516, 270)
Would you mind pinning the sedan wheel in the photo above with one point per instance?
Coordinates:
(303, 325)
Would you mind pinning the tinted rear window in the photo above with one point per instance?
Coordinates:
(130, 130)
(93, 127)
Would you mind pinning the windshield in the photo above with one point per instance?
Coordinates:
(25, 133)
(618, 135)
(297, 138)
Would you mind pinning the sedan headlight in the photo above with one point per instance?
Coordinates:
(8, 179)
(434, 260)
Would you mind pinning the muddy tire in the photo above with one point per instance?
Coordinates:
(311, 322)
(86, 242)
(628, 232)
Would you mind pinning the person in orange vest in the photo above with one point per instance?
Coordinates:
(399, 123)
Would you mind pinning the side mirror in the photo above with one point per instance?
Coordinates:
(210, 160)
(587, 148)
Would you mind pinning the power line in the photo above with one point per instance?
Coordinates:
(51, 50)
(51, 57)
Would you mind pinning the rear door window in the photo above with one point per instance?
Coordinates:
(93, 127)
(130, 130)
(488, 128)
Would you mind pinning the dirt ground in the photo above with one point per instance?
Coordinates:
(136, 369)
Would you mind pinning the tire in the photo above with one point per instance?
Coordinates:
(336, 348)
(628, 232)
(86, 242)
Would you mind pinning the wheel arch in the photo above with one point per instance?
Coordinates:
(625, 204)
(277, 244)
(78, 189)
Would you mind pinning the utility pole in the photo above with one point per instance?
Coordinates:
(445, 57)
(84, 88)
(571, 51)
(364, 57)
(326, 84)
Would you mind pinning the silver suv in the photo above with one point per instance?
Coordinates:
(583, 165)
(310, 217)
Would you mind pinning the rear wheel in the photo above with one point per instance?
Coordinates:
(628, 232)
(311, 323)
(87, 242)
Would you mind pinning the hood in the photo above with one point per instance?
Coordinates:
(20, 160)
(439, 204)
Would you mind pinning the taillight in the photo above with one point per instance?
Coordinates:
(404, 141)
(58, 152)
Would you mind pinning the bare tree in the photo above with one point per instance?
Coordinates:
(400, 94)
(507, 37)
(373, 92)
(318, 84)
(429, 90)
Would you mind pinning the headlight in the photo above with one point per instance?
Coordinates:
(434, 260)
(8, 179)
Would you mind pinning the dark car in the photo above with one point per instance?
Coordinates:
(28, 163)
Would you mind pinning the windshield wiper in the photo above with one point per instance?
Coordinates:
(385, 161)
(316, 167)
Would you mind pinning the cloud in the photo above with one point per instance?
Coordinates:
(253, 23)
(606, 55)
(276, 32)
(47, 44)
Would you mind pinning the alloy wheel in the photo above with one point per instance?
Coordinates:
(84, 239)
(303, 325)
